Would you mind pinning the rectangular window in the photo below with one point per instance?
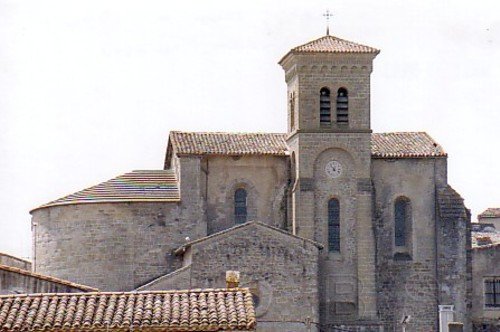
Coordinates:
(492, 293)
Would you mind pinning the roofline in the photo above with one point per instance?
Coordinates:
(183, 248)
(182, 291)
(120, 200)
(48, 278)
(376, 156)
(295, 52)
(487, 246)
(15, 257)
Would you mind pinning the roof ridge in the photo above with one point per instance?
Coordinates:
(181, 248)
(132, 292)
(15, 257)
(226, 132)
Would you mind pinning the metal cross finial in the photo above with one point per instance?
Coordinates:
(328, 14)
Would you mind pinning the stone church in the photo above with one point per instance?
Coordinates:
(331, 226)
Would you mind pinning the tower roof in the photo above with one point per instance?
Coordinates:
(332, 44)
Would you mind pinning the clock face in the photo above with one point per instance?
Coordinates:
(333, 169)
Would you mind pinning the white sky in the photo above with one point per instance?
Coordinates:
(90, 89)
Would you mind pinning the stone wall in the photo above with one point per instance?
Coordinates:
(406, 280)
(9, 260)
(484, 264)
(263, 177)
(280, 269)
(454, 254)
(111, 246)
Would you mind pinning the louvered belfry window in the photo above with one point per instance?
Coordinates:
(342, 106)
(401, 220)
(492, 293)
(325, 110)
(333, 225)
(240, 206)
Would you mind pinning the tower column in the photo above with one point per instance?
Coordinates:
(367, 292)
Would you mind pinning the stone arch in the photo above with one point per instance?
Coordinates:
(252, 197)
(340, 153)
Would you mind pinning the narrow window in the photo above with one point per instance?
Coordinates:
(342, 106)
(492, 293)
(324, 106)
(240, 206)
(333, 225)
(401, 221)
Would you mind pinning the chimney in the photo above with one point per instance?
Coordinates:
(455, 327)
(232, 279)
(445, 317)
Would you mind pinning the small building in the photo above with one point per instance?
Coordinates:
(490, 216)
(485, 313)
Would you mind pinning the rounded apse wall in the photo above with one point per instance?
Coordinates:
(110, 246)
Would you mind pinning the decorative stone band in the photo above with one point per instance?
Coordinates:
(189, 310)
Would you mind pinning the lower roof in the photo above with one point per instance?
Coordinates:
(189, 310)
(136, 186)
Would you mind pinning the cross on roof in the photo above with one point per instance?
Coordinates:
(328, 14)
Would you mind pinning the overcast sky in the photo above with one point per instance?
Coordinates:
(90, 89)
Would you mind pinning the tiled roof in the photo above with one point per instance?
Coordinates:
(490, 213)
(47, 278)
(405, 145)
(481, 239)
(332, 44)
(136, 186)
(229, 143)
(195, 310)
(384, 145)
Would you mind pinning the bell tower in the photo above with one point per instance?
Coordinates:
(329, 138)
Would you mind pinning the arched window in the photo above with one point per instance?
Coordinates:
(342, 106)
(333, 225)
(240, 206)
(324, 106)
(402, 215)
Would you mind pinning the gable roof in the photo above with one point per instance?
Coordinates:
(225, 232)
(190, 310)
(490, 213)
(136, 186)
(384, 145)
(43, 277)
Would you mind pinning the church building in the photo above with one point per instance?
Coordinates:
(331, 225)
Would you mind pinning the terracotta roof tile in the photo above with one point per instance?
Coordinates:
(194, 310)
(405, 145)
(136, 186)
(332, 44)
(481, 239)
(490, 213)
(229, 143)
(384, 145)
(47, 278)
